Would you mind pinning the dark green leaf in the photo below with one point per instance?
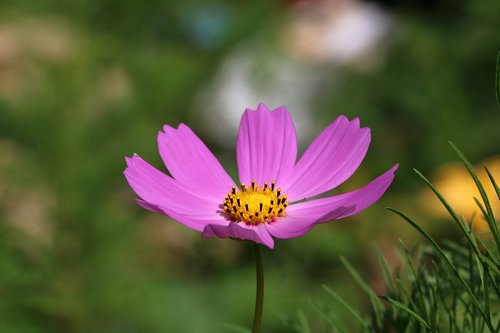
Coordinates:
(375, 301)
(489, 217)
(383, 265)
(497, 80)
(349, 308)
(408, 310)
(332, 320)
(495, 185)
(304, 325)
(448, 262)
(450, 210)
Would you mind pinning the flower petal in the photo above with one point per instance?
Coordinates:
(158, 189)
(301, 217)
(148, 206)
(267, 145)
(197, 222)
(330, 159)
(256, 233)
(191, 163)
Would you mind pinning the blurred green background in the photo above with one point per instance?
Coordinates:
(84, 83)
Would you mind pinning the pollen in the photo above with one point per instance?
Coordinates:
(255, 204)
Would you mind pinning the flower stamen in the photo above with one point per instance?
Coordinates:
(255, 204)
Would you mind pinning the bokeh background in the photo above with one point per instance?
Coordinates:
(84, 83)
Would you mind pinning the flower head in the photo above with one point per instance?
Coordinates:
(272, 198)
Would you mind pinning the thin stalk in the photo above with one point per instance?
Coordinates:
(259, 295)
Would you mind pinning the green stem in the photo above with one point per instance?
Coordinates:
(259, 295)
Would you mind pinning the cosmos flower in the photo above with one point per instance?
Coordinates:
(276, 197)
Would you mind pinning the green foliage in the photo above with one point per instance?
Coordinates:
(497, 80)
(229, 328)
(448, 287)
(431, 87)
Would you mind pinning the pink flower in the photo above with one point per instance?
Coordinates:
(272, 200)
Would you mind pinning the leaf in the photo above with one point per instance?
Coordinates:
(488, 250)
(383, 266)
(420, 283)
(450, 310)
(449, 264)
(497, 80)
(349, 308)
(331, 319)
(304, 325)
(378, 307)
(493, 182)
(450, 211)
(456, 248)
(486, 294)
(492, 271)
(490, 218)
(408, 310)
(405, 292)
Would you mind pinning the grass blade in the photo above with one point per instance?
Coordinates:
(330, 319)
(495, 185)
(449, 264)
(405, 292)
(497, 81)
(450, 211)
(417, 281)
(490, 218)
(406, 309)
(304, 325)
(346, 306)
(385, 270)
(377, 305)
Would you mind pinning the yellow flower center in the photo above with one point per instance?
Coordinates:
(255, 204)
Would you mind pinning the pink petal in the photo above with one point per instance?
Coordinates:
(330, 159)
(191, 163)
(290, 226)
(301, 217)
(267, 145)
(196, 222)
(158, 189)
(256, 233)
(148, 206)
